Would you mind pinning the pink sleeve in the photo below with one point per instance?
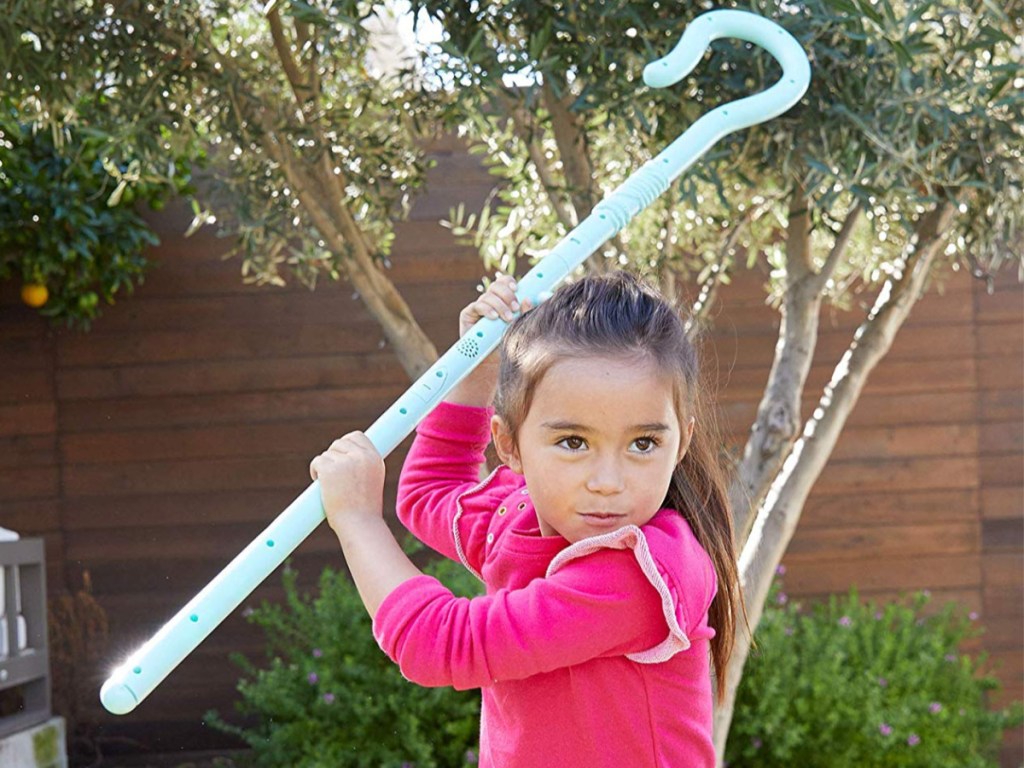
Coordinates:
(443, 465)
(600, 605)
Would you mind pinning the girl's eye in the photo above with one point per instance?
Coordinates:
(645, 444)
(572, 443)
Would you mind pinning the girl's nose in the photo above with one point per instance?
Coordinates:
(606, 477)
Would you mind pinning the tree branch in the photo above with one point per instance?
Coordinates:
(525, 129)
(838, 251)
(778, 415)
(779, 515)
(300, 90)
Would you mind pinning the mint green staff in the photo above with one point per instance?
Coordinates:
(137, 676)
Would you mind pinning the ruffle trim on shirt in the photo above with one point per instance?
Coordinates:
(631, 537)
(456, 536)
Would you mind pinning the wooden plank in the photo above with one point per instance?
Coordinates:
(883, 507)
(32, 517)
(962, 571)
(30, 352)
(209, 542)
(875, 410)
(999, 503)
(906, 441)
(238, 375)
(27, 451)
(24, 483)
(890, 377)
(439, 203)
(187, 477)
(226, 342)
(1008, 667)
(1002, 470)
(180, 579)
(858, 542)
(1000, 405)
(1003, 617)
(1001, 341)
(1001, 438)
(344, 409)
(330, 304)
(914, 474)
(428, 259)
(34, 418)
(1003, 569)
(20, 385)
(215, 441)
(992, 375)
(938, 343)
(1004, 305)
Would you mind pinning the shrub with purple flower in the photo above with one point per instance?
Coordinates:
(848, 682)
(327, 695)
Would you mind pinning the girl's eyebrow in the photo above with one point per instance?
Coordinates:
(572, 426)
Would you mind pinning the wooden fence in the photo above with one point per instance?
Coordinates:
(152, 449)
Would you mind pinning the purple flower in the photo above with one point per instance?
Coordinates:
(845, 621)
(317, 653)
(780, 570)
(950, 657)
(913, 740)
(878, 615)
(329, 698)
(935, 707)
(471, 757)
(885, 729)
(782, 599)
(973, 615)
(757, 743)
(883, 682)
(312, 677)
(789, 631)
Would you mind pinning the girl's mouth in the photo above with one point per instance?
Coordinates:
(602, 518)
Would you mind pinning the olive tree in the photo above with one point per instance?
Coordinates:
(314, 153)
(903, 161)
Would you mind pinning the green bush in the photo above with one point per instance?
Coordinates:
(69, 221)
(330, 697)
(851, 683)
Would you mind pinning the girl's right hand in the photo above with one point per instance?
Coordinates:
(498, 301)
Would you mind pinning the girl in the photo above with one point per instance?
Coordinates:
(604, 538)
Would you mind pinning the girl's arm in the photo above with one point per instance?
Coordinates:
(599, 605)
(446, 456)
(351, 475)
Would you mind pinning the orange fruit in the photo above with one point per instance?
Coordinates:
(34, 294)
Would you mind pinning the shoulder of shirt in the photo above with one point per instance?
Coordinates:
(501, 485)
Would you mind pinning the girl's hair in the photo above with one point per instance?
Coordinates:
(619, 315)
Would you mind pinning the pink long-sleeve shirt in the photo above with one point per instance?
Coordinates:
(588, 654)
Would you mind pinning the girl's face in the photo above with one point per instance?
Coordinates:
(598, 445)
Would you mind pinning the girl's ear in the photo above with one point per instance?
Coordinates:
(687, 436)
(505, 445)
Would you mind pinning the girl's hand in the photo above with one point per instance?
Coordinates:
(498, 301)
(351, 475)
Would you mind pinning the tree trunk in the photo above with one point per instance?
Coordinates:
(778, 416)
(778, 517)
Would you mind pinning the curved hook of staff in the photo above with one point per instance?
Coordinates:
(144, 669)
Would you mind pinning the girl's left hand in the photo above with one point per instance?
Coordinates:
(351, 475)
